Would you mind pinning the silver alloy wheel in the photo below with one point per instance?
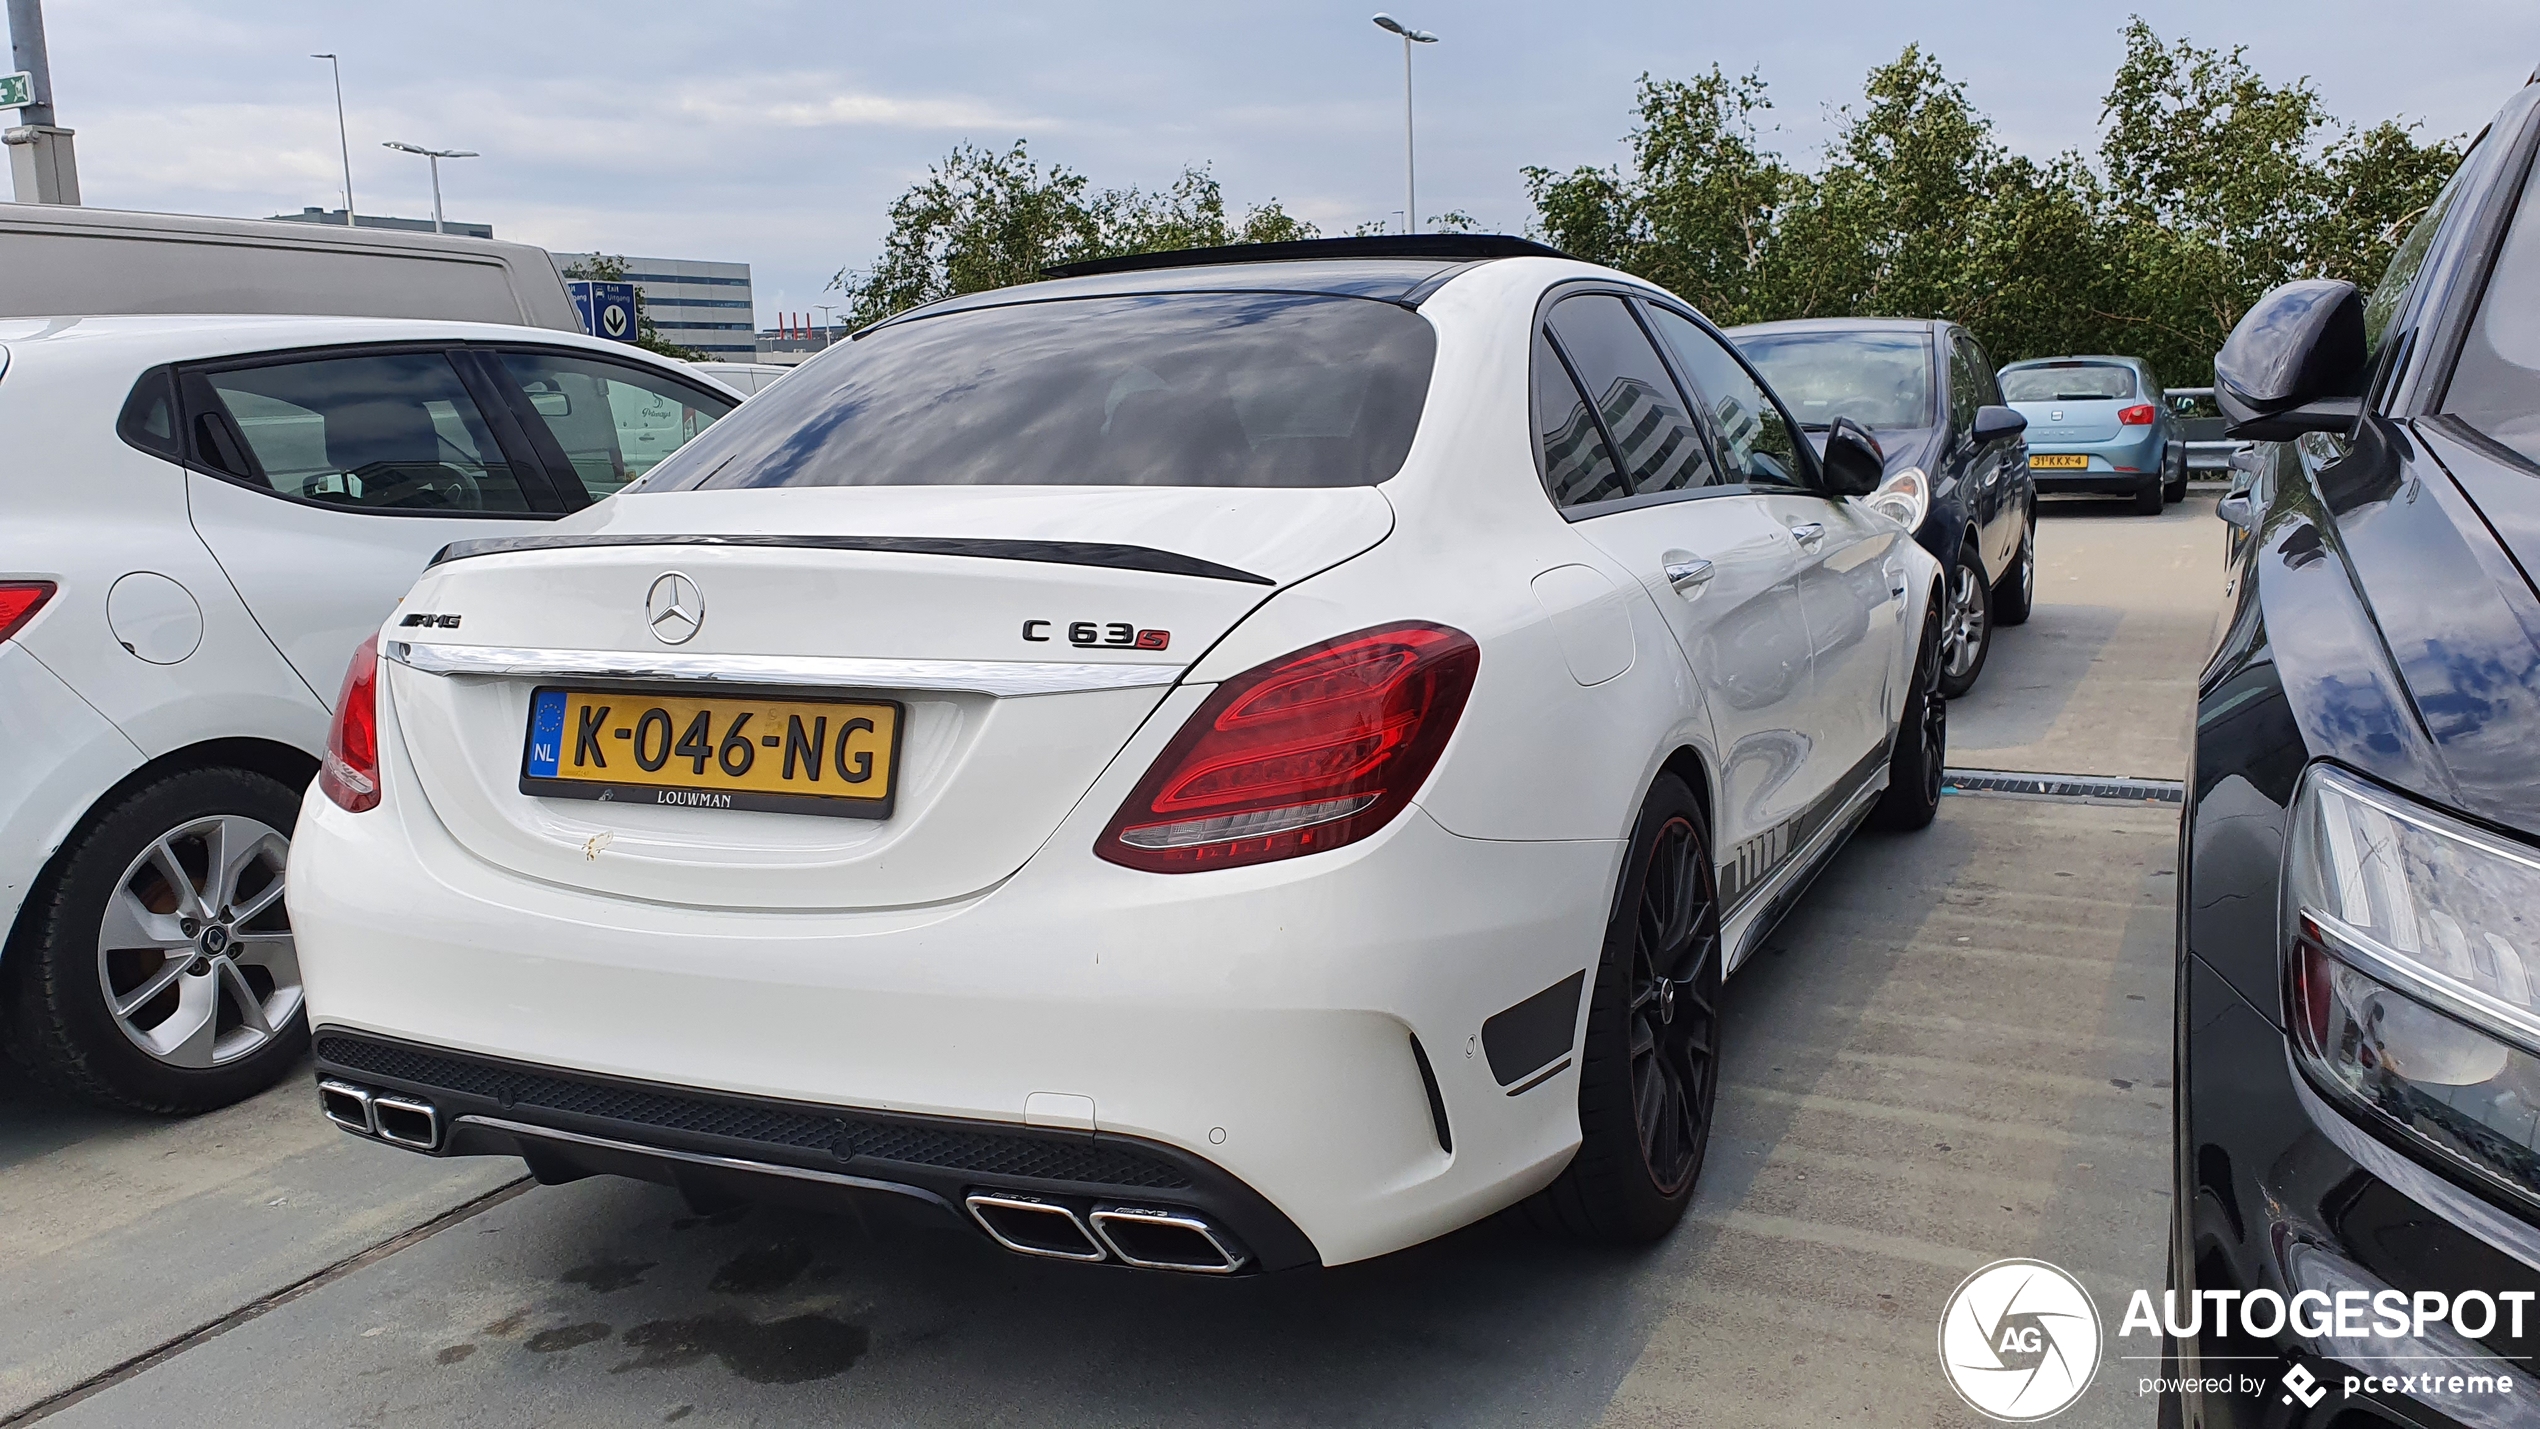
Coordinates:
(2028, 565)
(1961, 642)
(195, 953)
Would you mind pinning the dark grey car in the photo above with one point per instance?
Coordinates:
(1927, 390)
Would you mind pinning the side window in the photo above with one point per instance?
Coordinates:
(1966, 384)
(1577, 468)
(1655, 439)
(1761, 447)
(614, 422)
(392, 432)
(2381, 310)
(2495, 384)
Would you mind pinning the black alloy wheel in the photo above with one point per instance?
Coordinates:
(1968, 637)
(1650, 1077)
(1916, 765)
(2148, 497)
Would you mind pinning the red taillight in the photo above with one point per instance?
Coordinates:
(350, 775)
(19, 601)
(1308, 752)
(2138, 415)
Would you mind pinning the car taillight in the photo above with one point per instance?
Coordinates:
(2138, 415)
(1309, 752)
(350, 775)
(19, 601)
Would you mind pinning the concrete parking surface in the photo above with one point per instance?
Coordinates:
(2102, 678)
(1957, 1051)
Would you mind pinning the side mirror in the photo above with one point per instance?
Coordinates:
(2238, 512)
(1994, 423)
(1854, 465)
(2295, 362)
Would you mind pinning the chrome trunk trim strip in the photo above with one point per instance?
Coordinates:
(985, 677)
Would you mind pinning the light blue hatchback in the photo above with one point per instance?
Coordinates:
(2098, 424)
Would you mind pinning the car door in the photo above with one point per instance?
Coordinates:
(1634, 472)
(322, 481)
(1850, 570)
(1979, 466)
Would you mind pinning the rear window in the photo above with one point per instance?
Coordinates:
(1879, 379)
(2068, 382)
(1207, 389)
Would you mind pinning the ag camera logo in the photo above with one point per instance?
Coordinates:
(2019, 1340)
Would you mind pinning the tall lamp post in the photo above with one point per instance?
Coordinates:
(1410, 162)
(436, 156)
(342, 139)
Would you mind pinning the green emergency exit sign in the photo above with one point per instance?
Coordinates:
(17, 90)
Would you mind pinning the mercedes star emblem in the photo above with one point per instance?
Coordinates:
(674, 610)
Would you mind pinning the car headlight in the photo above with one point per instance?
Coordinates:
(2414, 978)
(1905, 496)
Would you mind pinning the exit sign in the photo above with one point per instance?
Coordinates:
(17, 90)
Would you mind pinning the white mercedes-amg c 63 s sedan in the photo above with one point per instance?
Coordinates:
(1223, 761)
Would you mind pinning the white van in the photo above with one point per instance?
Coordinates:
(56, 259)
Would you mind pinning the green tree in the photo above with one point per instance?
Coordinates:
(1696, 210)
(2209, 186)
(611, 268)
(983, 219)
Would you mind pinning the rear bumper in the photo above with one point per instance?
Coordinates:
(1260, 1021)
(2144, 453)
(567, 1125)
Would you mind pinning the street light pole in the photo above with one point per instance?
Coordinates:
(436, 156)
(1410, 156)
(342, 139)
(41, 166)
(825, 322)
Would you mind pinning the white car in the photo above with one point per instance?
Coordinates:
(1205, 764)
(200, 518)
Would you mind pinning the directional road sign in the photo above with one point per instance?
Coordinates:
(607, 309)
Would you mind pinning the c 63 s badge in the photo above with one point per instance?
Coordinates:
(1113, 635)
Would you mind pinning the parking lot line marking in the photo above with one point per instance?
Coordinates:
(170, 1349)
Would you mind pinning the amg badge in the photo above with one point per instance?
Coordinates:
(444, 622)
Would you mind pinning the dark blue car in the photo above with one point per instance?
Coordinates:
(1955, 458)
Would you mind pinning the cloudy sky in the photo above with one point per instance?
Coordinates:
(777, 132)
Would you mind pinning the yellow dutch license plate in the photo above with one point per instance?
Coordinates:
(776, 753)
(2059, 461)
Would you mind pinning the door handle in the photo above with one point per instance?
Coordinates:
(1688, 576)
(1809, 533)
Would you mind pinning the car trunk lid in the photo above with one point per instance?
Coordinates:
(1024, 633)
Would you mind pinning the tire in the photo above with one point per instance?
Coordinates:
(1921, 753)
(2016, 595)
(2147, 498)
(1968, 637)
(1645, 1117)
(2174, 471)
(135, 903)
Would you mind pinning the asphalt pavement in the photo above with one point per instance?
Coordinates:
(1956, 1051)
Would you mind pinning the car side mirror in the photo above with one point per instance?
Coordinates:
(2238, 512)
(1995, 422)
(1854, 465)
(2295, 363)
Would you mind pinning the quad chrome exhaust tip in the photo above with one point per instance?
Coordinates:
(409, 1122)
(1132, 1235)
(1028, 1225)
(1165, 1240)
